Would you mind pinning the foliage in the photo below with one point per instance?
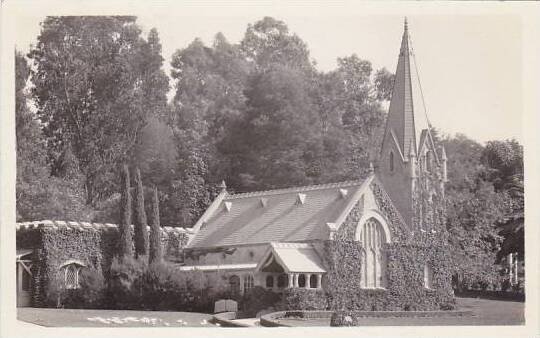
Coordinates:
(140, 224)
(95, 81)
(40, 196)
(126, 233)
(257, 299)
(91, 293)
(156, 251)
(123, 291)
(303, 299)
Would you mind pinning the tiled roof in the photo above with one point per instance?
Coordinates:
(83, 225)
(284, 215)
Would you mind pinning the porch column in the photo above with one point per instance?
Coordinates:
(319, 281)
(295, 276)
(308, 277)
(290, 278)
(275, 283)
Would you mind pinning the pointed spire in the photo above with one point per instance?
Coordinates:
(443, 154)
(401, 111)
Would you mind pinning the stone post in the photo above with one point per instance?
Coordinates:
(295, 276)
(275, 287)
(290, 278)
(319, 281)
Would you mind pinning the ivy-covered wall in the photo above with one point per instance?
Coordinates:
(92, 246)
(406, 256)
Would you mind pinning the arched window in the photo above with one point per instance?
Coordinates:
(269, 281)
(234, 284)
(248, 283)
(428, 276)
(373, 256)
(313, 281)
(391, 161)
(282, 281)
(302, 280)
(429, 161)
(71, 274)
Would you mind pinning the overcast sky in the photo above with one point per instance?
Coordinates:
(469, 66)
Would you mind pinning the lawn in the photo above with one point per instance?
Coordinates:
(486, 312)
(112, 318)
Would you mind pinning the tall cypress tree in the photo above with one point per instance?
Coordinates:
(155, 231)
(141, 231)
(126, 234)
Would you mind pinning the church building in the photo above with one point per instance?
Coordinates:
(279, 239)
(373, 244)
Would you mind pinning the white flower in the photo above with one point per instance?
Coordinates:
(348, 319)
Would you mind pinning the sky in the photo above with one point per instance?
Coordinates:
(470, 66)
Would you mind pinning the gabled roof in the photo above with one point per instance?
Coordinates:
(294, 257)
(285, 215)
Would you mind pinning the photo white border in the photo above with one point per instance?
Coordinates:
(529, 13)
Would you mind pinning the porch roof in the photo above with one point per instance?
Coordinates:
(23, 252)
(294, 257)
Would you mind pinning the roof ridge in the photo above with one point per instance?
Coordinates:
(295, 189)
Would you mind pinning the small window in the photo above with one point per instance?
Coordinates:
(313, 281)
(248, 283)
(429, 161)
(428, 277)
(71, 276)
(302, 281)
(270, 281)
(391, 160)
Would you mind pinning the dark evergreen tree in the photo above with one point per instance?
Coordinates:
(155, 230)
(126, 233)
(141, 231)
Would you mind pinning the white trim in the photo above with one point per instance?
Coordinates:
(372, 213)
(245, 266)
(209, 212)
(72, 261)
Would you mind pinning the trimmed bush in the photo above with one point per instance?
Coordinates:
(303, 299)
(258, 299)
(156, 253)
(141, 232)
(126, 234)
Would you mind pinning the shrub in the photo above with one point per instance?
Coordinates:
(141, 232)
(304, 299)
(126, 233)
(156, 253)
(257, 299)
(124, 273)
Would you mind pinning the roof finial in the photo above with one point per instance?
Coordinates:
(371, 168)
(405, 24)
(223, 186)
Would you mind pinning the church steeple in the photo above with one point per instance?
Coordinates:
(400, 120)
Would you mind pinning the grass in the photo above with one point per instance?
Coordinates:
(112, 318)
(486, 312)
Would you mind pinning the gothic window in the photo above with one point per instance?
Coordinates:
(248, 283)
(373, 257)
(391, 160)
(428, 276)
(428, 161)
(270, 281)
(71, 274)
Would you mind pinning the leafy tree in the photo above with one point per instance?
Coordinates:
(268, 42)
(141, 232)
(504, 162)
(95, 81)
(156, 254)
(126, 232)
(40, 196)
